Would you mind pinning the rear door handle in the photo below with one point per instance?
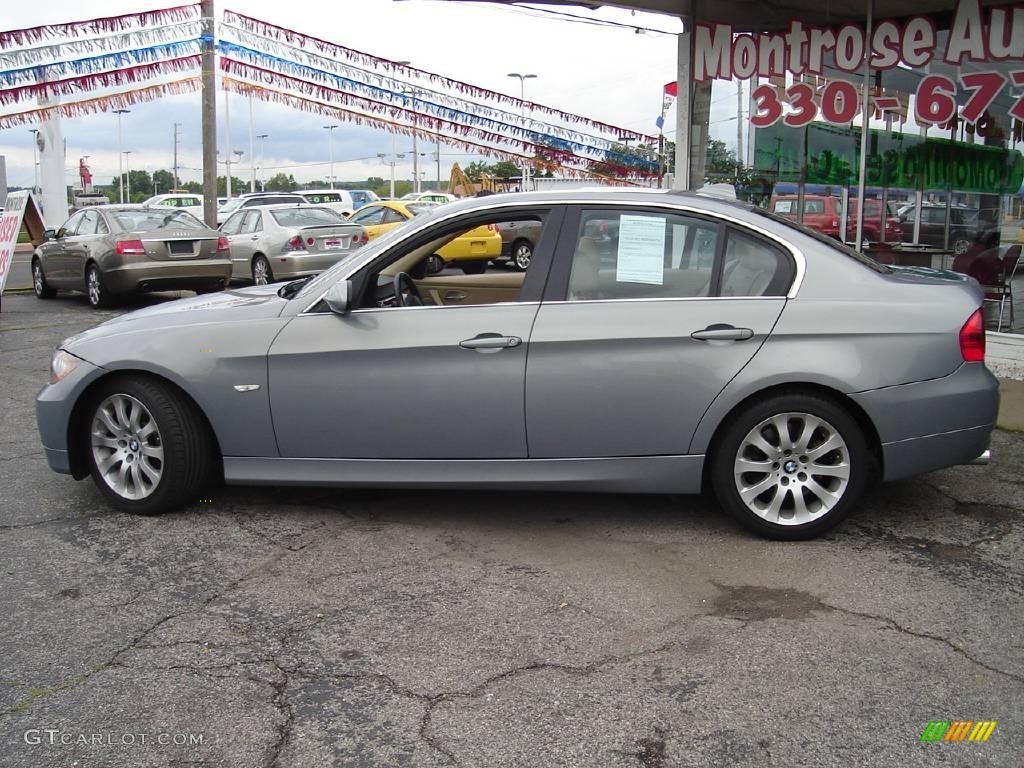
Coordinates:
(490, 342)
(722, 332)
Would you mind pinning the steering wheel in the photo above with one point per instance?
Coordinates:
(411, 295)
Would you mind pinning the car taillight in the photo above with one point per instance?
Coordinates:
(222, 245)
(295, 244)
(972, 338)
(129, 248)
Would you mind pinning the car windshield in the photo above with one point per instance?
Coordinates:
(306, 217)
(145, 221)
(417, 208)
(231, 205)
(829, 241)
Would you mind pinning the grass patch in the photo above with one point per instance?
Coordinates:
(35, 694)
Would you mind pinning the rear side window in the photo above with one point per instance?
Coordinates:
(752, 267)
(642, 255)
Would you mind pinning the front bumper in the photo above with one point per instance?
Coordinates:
(934, 424)
(54, 406)
(167, 275)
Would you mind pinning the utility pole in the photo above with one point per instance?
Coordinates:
(227, 141)
(261, 137)
(330, 149)
(35, 160)
(177, 184)
(209, 115)
(739, 124)
(120, 154)
(128, 173)
(252, 149)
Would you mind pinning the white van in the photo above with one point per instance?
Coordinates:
(344, 201)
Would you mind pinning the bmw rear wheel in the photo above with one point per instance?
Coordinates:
(262, 274)
(791, 467)
(147, 447)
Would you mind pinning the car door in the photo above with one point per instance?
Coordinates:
(243, 243)
(230, 230)
(421, 382)
(637, 337)
(86, 243)
(54, 257)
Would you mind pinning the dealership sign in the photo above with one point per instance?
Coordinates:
(994, 34)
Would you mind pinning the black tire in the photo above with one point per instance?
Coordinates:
(96, 292)
(190, 462)
(522, 255)
(261, 262)
(855, 453)
(41, 288)
(473, 267)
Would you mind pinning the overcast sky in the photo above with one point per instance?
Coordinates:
(611, 74)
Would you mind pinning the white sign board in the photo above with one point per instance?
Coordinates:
(10, 225)
(641, 257)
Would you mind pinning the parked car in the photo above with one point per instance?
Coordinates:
(191, 203)
(472, 251)
(963, 231)
(824, 213)
(344, 201)
(518, 240)
(788, 374)
(428, 197)
(281, 242)
(256, 198)
(113, 250)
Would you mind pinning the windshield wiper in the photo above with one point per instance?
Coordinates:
(288, 290)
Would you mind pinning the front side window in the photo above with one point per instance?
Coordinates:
(369, 216)
(391, 216)
(72, 224)
(252, 223)
(642, 255)
(234, 224)
(89, 222)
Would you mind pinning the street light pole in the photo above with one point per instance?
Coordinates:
(522, 101)
(120, 158)
(330, 148)
(128, 173)
(35, 160)
(261, 137)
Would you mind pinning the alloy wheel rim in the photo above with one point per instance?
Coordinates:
(792, 468)
(259, 272)
(37, 278)
(960, 247)
(126, 447)
(94, 286)
(523, 256)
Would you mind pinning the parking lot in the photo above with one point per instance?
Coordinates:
(284, 627)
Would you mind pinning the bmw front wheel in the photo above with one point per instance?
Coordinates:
(791, 467)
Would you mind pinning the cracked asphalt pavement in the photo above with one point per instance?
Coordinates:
(282, 627)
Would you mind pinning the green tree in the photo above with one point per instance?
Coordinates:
(164, 181)
(237, 186)
(474, 169)
(505, 169)
(194, 187)
(281, 182)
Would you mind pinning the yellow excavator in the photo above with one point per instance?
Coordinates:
(460, 185)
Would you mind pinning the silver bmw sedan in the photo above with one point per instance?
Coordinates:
(657, 342)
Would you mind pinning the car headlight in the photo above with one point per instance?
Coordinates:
(62, 364)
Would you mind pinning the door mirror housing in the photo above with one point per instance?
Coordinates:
(49, 234)
(339, 297)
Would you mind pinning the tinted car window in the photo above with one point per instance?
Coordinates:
(369, 216)
(306, 217)
(391, 216)
(642, 255)
(144, 221)
(752, 267)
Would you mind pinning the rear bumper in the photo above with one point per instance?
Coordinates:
(301, 263)
(168, 275)
(934, 424)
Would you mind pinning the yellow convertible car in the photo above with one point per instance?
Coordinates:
(471, 250)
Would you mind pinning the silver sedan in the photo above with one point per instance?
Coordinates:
(282, 242)
(657, 343)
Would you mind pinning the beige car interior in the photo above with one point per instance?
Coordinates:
(493, 286)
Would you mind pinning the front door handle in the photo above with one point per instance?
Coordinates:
(490, 342)
(722, 332)
(454, 296)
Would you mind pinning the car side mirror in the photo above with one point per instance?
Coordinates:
(49, 234)
(433, 265)
(339, 297)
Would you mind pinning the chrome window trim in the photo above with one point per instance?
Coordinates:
(367, 310)
(676, 205)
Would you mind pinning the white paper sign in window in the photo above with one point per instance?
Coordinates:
(641, 256)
